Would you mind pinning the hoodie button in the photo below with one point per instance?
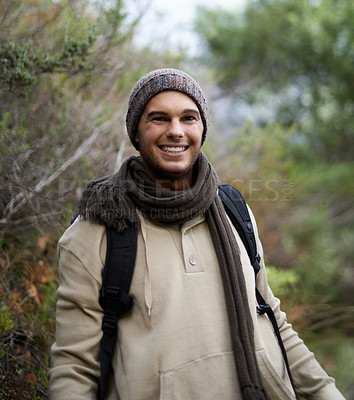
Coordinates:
(192, 261)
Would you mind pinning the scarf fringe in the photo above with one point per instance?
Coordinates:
(253, 393)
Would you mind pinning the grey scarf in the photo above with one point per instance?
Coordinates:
(113, 201)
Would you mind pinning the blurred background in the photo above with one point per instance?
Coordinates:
(279, 76)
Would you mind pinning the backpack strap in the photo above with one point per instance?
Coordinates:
(236, 209)
(114, 294)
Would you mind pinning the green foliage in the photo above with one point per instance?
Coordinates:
(294, 57)
(46, 109)
(333, 358)
(281, 280)
(315, 38)
(297, 57)
(309, 235)
(270, 145)
(19, 65)
(6, 323)
(22, 60)
(68, 41)
(11, 141)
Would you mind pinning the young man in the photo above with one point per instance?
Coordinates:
(193, 331)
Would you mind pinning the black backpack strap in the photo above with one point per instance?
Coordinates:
(236, 209)
(114, 295)
(265, 308)
(75, 216)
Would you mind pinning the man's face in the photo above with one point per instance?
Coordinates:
(170, 135)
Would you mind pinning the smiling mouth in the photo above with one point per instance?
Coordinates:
(173, 149)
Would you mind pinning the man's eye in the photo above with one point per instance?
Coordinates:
(159, 119)
(190, 118)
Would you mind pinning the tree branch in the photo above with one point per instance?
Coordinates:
(24, 196)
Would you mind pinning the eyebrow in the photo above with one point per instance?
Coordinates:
(186, 111)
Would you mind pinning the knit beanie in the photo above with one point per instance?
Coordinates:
(158, 81)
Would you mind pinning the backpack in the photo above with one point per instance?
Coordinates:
(118, 272)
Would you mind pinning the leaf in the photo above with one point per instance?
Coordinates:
(43, 241)
(31, 378)
(32, 292)
(41, 273)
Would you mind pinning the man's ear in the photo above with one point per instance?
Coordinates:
(136, 140)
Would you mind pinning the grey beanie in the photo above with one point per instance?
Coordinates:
(162, 80)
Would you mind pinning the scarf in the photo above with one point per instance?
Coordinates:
(114, 200)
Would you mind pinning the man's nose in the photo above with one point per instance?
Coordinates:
(175, 128)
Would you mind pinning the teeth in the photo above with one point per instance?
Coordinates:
(173, 149)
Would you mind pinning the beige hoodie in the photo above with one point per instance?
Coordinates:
(175, 343)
